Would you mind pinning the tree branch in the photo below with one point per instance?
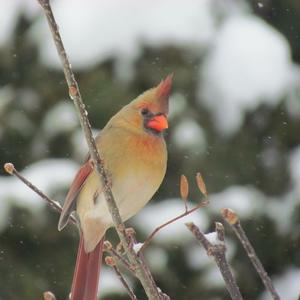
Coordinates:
(10, 169)
(146, 280)
(125, 284)
(184, 193)
(112, 252)
(217, 249)
(232, 219)
(110, 261)
(157, 229)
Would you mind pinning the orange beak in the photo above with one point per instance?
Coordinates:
(158, 123)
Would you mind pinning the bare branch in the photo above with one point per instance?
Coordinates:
(110, 261)
(127, 287)
(132, 237)
(232, 219)
(112, 252)
(10, 169)
(218, 250)
(184, 192)
(146, 280)
(157, 229)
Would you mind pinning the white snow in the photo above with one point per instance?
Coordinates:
(260, 5)
(157, 258)
(79, 143)
(60, 118)
(213, 277)
(109, 282)
(212, 237)
(137, 247)
(244, 200)
(249, 64)
(188, 134)
(9, 12)
(156, 214)
(179, 104)
(197, 258)
(48, 175)
(281, 211)
(96, 30)
(287, 285)
(283, 208)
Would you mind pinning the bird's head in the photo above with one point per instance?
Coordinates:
(148, 112)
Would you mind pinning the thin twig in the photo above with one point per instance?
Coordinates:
(146, 280)
(125, 284)
(10, 169)
(110, 261)
(232, 219)
(130, 232)
(114, 253)
(218, 250)
(157, 229)
(184, 193)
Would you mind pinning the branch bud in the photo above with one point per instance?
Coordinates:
(48, 296)
(184, 187)
(107, 245)
(220, 231)
(201, 184)
(73, 91)
(110, 261)
(9, 168)
(130, 231)
(229, 215)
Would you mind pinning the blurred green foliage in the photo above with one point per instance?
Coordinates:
(34, 257)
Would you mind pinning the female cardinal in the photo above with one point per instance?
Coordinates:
(135, 157)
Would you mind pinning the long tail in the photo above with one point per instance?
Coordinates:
(87, 271)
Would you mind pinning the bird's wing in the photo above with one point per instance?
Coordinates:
(77, 184)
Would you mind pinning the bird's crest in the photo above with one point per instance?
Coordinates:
(157, 98)
(163, 91)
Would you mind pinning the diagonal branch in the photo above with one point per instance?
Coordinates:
(110, 261)
(184, 193)
(184, 214)
(115, 254)
(217, 249)
(232, 219)
(125, 284)
(144, 277)
(10, 169)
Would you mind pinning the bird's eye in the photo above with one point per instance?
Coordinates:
(144, 111)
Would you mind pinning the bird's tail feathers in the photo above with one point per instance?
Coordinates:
(87, 271)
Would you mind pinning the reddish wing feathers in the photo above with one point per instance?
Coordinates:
(87, 269)
(86, 274)
(70, 201)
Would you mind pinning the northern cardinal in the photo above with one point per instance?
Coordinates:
(134, 153)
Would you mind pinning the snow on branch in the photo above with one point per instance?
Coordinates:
(214, 244)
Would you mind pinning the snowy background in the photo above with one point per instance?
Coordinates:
(235, 116)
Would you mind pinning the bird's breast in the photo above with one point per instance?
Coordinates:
(136, 165)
